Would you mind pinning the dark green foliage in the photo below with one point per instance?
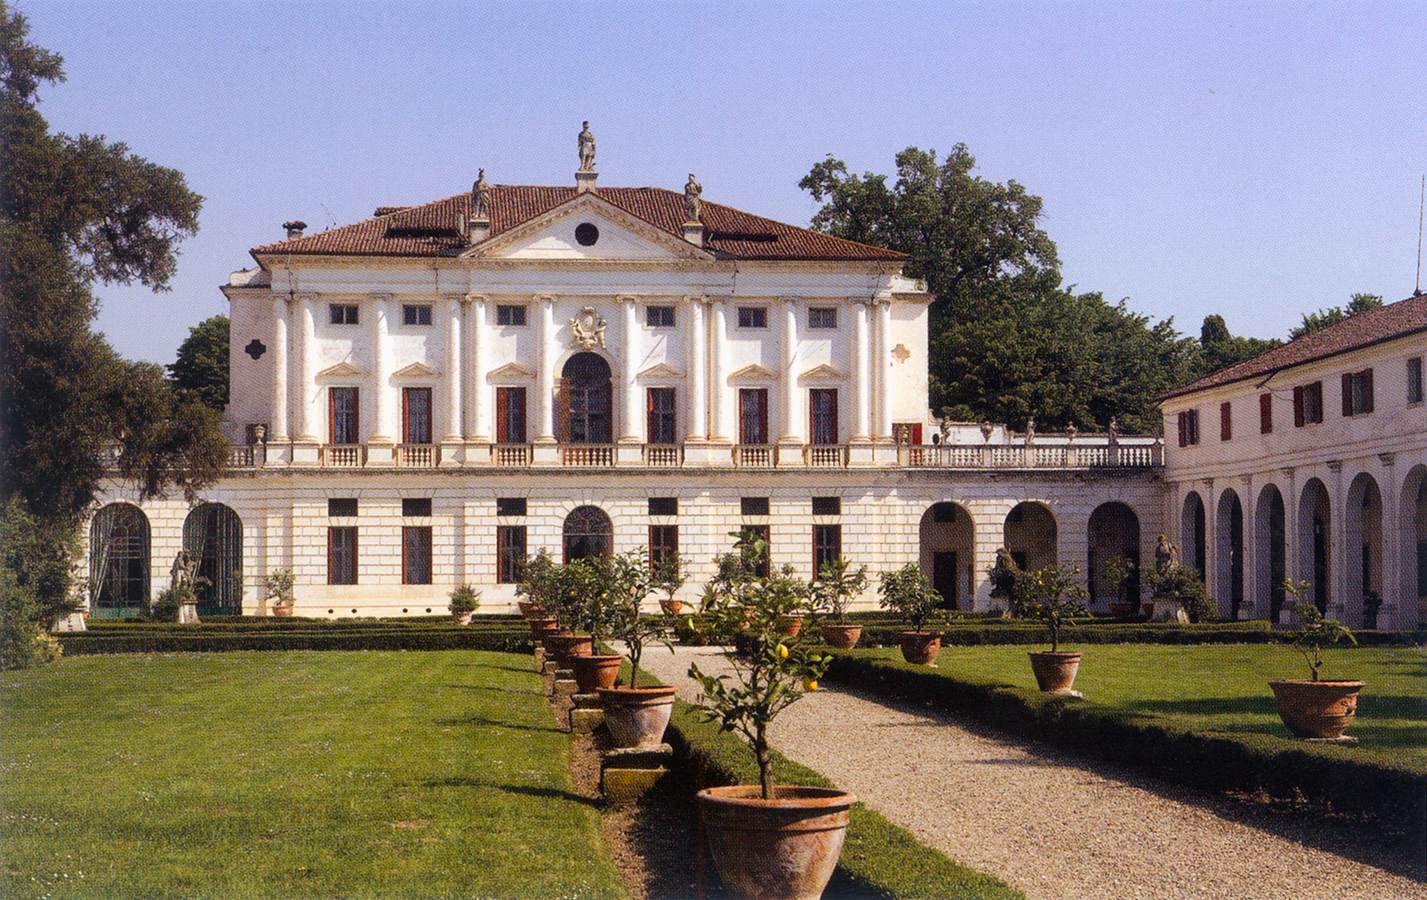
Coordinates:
(1053, 595)
(1212, 761)
(908, 592)
(289, 634)
(1218, 348)
(201, 368)
(1182, 583)
(1313, 321)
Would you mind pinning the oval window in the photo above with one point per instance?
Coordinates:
(586, 233)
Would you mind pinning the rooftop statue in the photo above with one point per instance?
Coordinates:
(693, 199)
(481, 197)
(587, 148)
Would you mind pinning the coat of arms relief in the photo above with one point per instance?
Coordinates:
(587, 329)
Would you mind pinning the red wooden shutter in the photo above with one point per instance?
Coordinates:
(1226, 421)
(1265, 413)
(742, 417)
(1298, 418)
(502, 415)
(1347, 394)
(1367, 391)
(833, 416)
(330, 572)
(331, 427)
(356, 415)
(650, 428)
(763, 414)
(405, 416)
(1183, 430)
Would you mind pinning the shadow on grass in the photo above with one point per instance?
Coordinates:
(527, 692)
(483, 722)
(521, 789)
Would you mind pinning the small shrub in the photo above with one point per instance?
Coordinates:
(1316, 632)
(835, 588)
(278, 587)
(909, 593)
(1053, 595)
(464, 600)
(1182, 583)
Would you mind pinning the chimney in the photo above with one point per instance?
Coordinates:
(294, 228)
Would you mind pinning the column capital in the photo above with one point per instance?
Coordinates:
(626, 299)
(306, 296)
(544, 299)
(696, 298)
(475, 298)
(788, 301)
(451, 297)
(1288, 471)
(381, 295)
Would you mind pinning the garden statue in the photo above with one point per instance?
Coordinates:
(1114, 429)
(587, 148)
(1003, 574)
(693, 199)
(1165, 554)
(944, 426)
(481, 197)
(1031, 430)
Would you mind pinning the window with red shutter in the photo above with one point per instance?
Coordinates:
(1347, 394)
(1226, 422)
(510, 415)
(1265, 413)
(1182, 430)
(1298, 417)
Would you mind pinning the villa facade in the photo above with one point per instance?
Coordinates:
(423, 399)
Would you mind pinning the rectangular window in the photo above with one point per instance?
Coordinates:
(1265, 413)
(342, 554)
(342, 506)
(822, 415)
(753, 415)
(416, 507)
(1414, 380)
(765, 563)
(1226, 421)
(663, 506)
(822, 317)
(827, 506)
(510, 553)
(510, 506)
(663, 543)
(510, 415)
(1308, 404)
(1189, 428)
(415, 314)
(1357, 393)
(752, 317)
(342, 415)
(416, 554)
(342, 313)
(659, 316)
(510, 315)
(659, 402)
(416, 415)
(827, 545)
(753, 506)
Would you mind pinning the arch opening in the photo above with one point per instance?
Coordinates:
(587, 532)
(947, 538)
(1229, 553)
(119, 556)
(1270, 552)
(213, 534)
(1413, 549)
(1315, 542)
(1114, 531)
(1031, 535)
(585, 401)
(1192, 543)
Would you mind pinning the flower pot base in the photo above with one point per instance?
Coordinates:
(1055, 671)
(786, 847)
(1317, 710)
(637, 717)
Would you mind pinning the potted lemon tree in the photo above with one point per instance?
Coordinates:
(836, 586)
(1319, 708)
(606, 585)
(635, 715)
(1053, 595)
(767, 840)
(669, 576)
(909, 593)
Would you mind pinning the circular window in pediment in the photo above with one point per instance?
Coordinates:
(586, 233)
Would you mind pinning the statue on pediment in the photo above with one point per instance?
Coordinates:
(587, 329)
(481, 197)
(693, 199)
(587, 148)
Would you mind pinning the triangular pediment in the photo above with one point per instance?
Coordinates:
(823, 372)
(509, 371)
(661, 370)
(343, 369)
(753, 372)
(619, 236)
(415, 370)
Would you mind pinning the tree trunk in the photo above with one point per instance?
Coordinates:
(765, 765)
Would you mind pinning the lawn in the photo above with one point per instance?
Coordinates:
(291, 774)
(1224, 688)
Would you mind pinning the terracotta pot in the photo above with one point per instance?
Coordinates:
(920, 647)
(1147, 609)
(1121, 609)
(529, 608)
(786, 847)
(538, 626)
(637, 717)
(791, 626)
(1055, 671)
(842, 637)
(671, 607)
(596, 671)
(282, 612)
(1317, 709)
(462, 618)
(567, 645)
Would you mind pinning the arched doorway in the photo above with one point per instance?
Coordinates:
(1229, 552)
(585, 400)
(213, 534)
(1314, 542)
(587, 532)
(1031, 535)
(948, 546)
(118, 561)
(1363, 534)
(1270, 551)
(1192, 544)
(1413, 602)
(1114, 530)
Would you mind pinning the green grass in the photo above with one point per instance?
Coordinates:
(1224, 688)
(291, 774)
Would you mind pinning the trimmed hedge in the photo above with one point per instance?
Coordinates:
(211, 639)
(1393, 795)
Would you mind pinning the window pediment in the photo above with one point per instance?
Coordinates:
(415, 370)
(510, 371)
(661, 370)
(753, 372)
(823, 372)
(342, 369)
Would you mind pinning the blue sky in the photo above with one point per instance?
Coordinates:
(1256, 160)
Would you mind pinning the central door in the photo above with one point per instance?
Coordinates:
(944, 577)
(586, 389)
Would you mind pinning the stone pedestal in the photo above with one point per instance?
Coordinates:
(587, 714)
(381, 454)
(549, 667)
(627, 774)
(539, 658)
(188, 614)
(859, 453)
(453, 454)
(74, 621)
(1169, 611)
(545, 454)
(564, 683)
(304, 454)
(629, 453)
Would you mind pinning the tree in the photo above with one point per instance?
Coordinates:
(201, 369)
(1007, 341)
(1357, 303)
(76, 211)
(1218, 348)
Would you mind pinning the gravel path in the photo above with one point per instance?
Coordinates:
(1049, 824)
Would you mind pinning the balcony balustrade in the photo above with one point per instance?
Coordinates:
(663, 456)
(510, 456)
(587, 456)
(755, 456)
(417, 456)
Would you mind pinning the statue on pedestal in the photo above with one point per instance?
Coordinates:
(693, 199)
(1166, 555)
(587, 148)
(481, 197)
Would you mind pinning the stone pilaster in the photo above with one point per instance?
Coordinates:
(278, 415)
(451, 449)
(380, 442)
(721, 401)
(478, 425)
(545, 450)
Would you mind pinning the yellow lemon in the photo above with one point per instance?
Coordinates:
(782, 652)
(810, 685)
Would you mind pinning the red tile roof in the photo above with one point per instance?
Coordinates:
(438, 229)
(1374, 326)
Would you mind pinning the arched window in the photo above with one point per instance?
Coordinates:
(585, 399)
(118, 560)
(587, 532)
(213, 534)
(1114, 530)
